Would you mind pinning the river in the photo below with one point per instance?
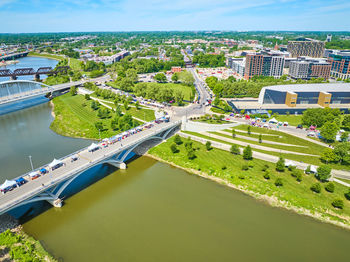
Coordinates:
(30, 62)
(155, 212)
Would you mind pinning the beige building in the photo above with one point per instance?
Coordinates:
(306, 47)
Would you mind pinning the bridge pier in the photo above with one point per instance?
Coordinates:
(56, 202)
(13, 77)
(37, 77)
(120, 165)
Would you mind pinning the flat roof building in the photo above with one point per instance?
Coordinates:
(340, 64)
(307, 68)
(306, 47)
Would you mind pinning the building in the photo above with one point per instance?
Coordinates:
(296, 98)
(263, 65)
(306, 47)
(176, 69)
(329, 38)
(340, 64)
(237, 65)
(324, 95)
(307, 68)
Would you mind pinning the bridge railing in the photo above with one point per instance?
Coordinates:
(78, 170)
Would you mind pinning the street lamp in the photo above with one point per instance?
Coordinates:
(31, 163)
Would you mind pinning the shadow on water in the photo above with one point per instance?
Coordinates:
(27, 212)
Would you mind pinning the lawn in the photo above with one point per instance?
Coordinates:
(76, 118)
(305, 159)
(75, 64)
(227, 166)
(293, 120)
(56, 57)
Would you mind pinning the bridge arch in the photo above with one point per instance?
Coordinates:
(17, 87)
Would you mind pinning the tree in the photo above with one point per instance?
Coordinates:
(177, 139)
(330, 187)
(160, 77)
(87, 97)
(99, 125)
(329, 130)
(208, 145)
(248, 130)
(280, 165)
(347, 195)
(346, 121)
(174, 77)
(328, 155)
(247, 153)
(260, 138)
(344, 137)
(233, 133)
(191, 155)
(323, 172)
(316, 188)
(173, 148)
(188, 143)
(131, 74)
(342, 151)
(137, 105)
(126, 105)
(235, 150)
(279, 182)
(179, 97)
(73, 90)
(338, 203)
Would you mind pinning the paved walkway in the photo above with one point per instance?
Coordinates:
(265, 157)
(257, 140)
(255, 146)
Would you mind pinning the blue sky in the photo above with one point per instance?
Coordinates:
(139, 15)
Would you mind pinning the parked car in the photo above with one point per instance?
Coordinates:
(299, 126)
(43, 171)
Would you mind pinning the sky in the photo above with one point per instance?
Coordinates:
(25, 16)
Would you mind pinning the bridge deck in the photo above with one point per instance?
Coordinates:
(86, 160)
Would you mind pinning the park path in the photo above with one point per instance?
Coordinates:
(266, 157)
(255, 146)
(257, 140)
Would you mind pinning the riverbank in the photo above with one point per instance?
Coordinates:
(49, 56)
(7, 63)
(16, 245)
(294, 196)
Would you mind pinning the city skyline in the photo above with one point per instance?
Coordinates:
(158, 15)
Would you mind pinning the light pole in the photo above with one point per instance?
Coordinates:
(31, 163)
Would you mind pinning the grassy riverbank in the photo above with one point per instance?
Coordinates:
(226, 168)
(50, 56)
(74, 117)
(15, 245)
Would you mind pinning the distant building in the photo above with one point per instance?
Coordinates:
(329, 38)
(307, 68)
(306, 47)
(263, 65)
(237, 65)
(340, 64)
(176, 69)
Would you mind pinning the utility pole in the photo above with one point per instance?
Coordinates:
(31, 163)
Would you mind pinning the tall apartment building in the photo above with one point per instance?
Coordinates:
(263, 65)
(306, 47)
(340, 64)
(237, 65)
(306, 68)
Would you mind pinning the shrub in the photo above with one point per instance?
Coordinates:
(265, 167)
(280, 165)
(291, 168)
(173, 148)
(295, 172)
(260, 138)
(177, 139)
(245, 167)
(251, 165)
(235, 150)
(191, 155)
(299, 177)
(223, 167)
(267, 175)
(247, 153)
(241, 177)
(347, 195)
(233, 133)
(279, 182)
(316, 188)
(338, 203)
(323, 172)
(87, 97)
(329, 187)
(208, 145)
(248, 130)
(308, 170)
